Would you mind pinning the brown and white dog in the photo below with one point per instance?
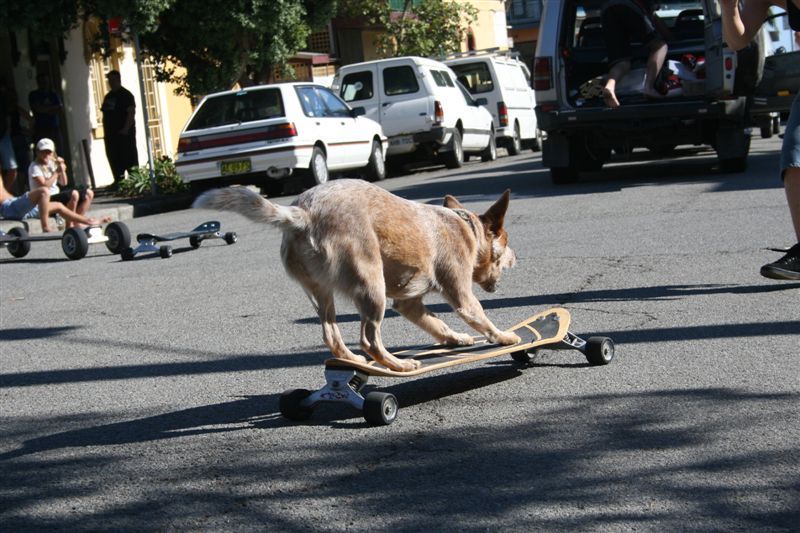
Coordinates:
(352, 237)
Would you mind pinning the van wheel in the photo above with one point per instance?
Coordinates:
(455, 157)
(514, 144)
(376, 169)
(318, 168)
(536, 145)
(490, 153)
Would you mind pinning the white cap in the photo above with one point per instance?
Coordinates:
(45, 144)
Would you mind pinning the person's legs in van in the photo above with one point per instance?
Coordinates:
(621, 25)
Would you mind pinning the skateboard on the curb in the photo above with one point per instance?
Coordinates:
(74, 241)
(148, 241)
(345, 379)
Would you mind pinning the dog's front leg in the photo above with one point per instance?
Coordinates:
(470, 310)
(415, 311)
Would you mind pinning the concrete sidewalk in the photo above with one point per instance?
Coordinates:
(117, 207)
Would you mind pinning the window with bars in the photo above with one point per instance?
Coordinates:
(153, 108)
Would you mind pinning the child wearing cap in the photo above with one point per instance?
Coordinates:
(49, 171)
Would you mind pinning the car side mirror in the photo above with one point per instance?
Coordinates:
(481, 101)
(358, 111)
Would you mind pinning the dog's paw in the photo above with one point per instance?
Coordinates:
(407, 365)
(460, 339)
(507, 339)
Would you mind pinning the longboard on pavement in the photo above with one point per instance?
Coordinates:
(346, 379)
(74, 241)
(148, 242)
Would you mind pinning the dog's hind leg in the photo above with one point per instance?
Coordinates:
(372, 304)
(415, 311)
(324, 304)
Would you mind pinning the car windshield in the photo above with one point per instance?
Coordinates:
(234, 108)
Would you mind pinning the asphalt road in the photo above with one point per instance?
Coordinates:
(144, 394)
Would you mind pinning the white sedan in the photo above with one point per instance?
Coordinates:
(263, 134)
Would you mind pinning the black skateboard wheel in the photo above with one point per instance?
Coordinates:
(119, 237)
(380, 408)
(599, 350)
(290, 404)
(21, 247)
(165, 252)
(525, 357)
(127, 254)
(75, 243)
(231, 237)
(195, 241)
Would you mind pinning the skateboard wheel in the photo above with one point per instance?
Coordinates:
(230, 237)
(195, 241)
(119, 237)
(75, 243)
(19, 248)
(599, 350)
(165, 252)
(290, 404)
(525, 357)
(127, 254)
(380, 408)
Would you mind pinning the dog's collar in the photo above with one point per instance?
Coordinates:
(463, 213)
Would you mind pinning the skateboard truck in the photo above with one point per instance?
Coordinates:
(344, 380)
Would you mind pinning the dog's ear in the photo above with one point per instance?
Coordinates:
(450, 202)
(495, 216)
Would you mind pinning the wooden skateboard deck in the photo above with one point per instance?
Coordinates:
(543, 328)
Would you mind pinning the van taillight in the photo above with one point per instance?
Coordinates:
(438, 113)
(542, 74)
(728, 63)
(502, 114)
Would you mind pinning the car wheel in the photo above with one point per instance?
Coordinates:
(536, 146)
(515, 144)
(455, 157)
(490, 153)
(318, 169)
(376, 168)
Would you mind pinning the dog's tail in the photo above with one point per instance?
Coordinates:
(252, 205)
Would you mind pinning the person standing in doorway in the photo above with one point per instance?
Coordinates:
(46, 107)
(739, 26)
(8, 160)
(119, 126)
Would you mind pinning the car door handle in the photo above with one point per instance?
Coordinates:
(386, 104)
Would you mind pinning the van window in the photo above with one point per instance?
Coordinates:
(442, 78)
(399, 80)
(357, 86)
(475, 77)
(232, 108)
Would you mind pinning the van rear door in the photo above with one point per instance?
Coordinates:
(359, 88)
(405, 107)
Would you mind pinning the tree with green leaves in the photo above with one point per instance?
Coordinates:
(421, 28)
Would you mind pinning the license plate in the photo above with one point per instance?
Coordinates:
(240, 166)
(401, 141)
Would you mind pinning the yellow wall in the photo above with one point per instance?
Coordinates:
(180, 108)
(484, 28)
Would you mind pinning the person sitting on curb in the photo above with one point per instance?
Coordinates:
(49, 171)
(36, 203)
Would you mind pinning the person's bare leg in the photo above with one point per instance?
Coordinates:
(616, 73)
(791, 184)
(41, 197)
(9, 177)
(72, 205)
(83, 207)
(658, 54)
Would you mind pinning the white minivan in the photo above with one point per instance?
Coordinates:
(421, 108)
(505, 82)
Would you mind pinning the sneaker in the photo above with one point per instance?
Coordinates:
(787, 267)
